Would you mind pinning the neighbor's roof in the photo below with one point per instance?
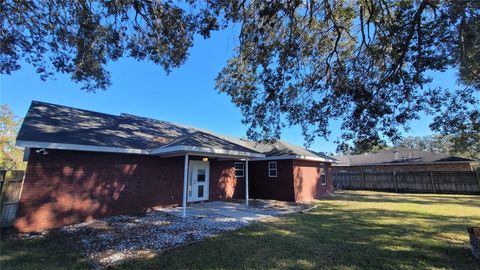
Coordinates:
(396, 155)
(48, 125)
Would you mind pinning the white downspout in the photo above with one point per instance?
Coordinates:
(185, 183)
(246, 182)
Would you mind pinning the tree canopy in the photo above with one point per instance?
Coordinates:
(445, 144)
(367, 63)
(369, 145)
(11, 157)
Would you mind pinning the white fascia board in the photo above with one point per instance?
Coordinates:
(159, 151)
(204, 150)
(294, 157)
(80, 147)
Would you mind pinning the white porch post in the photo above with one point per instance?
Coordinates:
(246, 182)
(185, 183)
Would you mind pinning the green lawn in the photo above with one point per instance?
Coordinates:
(51, 252)
(353, 230)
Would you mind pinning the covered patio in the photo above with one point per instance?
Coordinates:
(197, 178)
(192, 176)
(228, 209)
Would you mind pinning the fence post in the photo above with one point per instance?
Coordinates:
(337, 182)
(3, 220)
(433, 182)
(364, 184)
(10, 196)
(2, 186)
(2, 182)
(478, 178)
(395, 181)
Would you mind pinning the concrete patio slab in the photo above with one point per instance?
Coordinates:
(227, 209)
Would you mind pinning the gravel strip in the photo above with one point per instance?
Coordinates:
(112, 240)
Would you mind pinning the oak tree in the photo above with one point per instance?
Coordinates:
(366, 63)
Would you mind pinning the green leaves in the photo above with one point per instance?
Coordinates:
(305, 63)
(362, 63)
(11, 157)
(80, 37)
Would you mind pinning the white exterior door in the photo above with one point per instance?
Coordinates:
(198, 179)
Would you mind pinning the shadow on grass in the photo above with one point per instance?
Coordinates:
(365, 234)
(335, 237)
(424, 199)
(52, 251)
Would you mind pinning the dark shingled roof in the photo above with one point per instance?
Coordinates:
(51, 123)
(396, 155)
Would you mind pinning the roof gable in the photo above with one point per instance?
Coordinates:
(56, 124)
(47, 122)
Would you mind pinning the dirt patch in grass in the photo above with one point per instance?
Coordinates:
(274, 208)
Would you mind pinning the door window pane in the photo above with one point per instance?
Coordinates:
(189, 186)
(201, 176)
(200, 191)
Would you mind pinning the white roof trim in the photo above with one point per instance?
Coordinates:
(80, 147)
(204, 150)
(165, 151)
(159, 151)
(294, 157)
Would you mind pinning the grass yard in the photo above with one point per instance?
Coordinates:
(353, 230)
(51, 252)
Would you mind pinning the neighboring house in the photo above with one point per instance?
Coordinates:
(83, 165)
(401, 159)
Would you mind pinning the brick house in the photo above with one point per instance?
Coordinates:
(84, 165)
(401, 159)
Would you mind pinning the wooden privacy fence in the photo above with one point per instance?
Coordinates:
(462, 182)
(11, 183)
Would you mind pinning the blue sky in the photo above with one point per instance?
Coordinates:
(185, 96)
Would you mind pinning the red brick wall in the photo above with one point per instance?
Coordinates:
(223, 183)
(406, 168)
(261, 186)
(66, 187)
(307, 181)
